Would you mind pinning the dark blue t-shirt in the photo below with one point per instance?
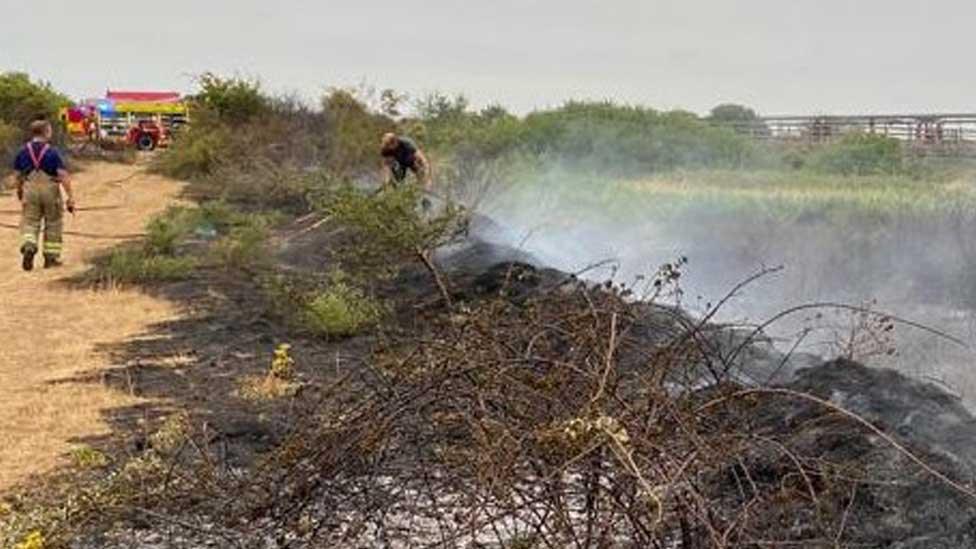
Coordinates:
(405, 152)
(50, 164)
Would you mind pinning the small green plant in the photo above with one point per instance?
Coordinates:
(219, 214)
(86, 457)
(133, 265)
(34, 540)
(171, 435)
(282, 364)
(341, 309)
(162, 236)
(277, 383)
(243, 247)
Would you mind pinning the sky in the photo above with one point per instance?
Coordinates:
(778, 56)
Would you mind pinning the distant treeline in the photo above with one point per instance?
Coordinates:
(234, 116)
(23, 100)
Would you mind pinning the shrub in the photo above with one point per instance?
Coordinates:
(163, 233)
(278, 382)
(599, 136)
(220, 215)
(391, 225)
(341, 310)
(87, 457)
(739, 118)
(134, 265)
(244, 246)
(271, 161)
(34, 540)
(233, 99)
(861, 154)
(10, 140)
(261, 183)
(22, 100)
(335, 308)
(194, 153)
(355, 129)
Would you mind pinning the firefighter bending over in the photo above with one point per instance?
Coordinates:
(401, 154)
(40, 176)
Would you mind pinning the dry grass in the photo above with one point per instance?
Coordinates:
(51, 331)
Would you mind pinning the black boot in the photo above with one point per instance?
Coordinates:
(28, 251)
(51, 261)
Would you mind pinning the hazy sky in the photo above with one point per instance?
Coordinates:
(781, 56)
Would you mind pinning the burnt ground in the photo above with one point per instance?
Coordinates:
(227, 332)
(196, 362)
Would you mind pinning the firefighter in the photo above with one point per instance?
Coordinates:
(40, 177)
(401, 154)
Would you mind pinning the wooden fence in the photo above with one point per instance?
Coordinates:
(928, 133)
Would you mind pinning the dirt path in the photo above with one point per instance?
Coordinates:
(50, 331)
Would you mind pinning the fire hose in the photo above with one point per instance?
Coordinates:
(81, 234)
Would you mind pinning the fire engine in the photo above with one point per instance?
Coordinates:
(144, 120)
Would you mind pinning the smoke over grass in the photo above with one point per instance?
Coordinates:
(891, 242)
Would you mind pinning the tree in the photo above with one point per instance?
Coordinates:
(356, 131)
(730, 112)
(22, 100)
(740, 118)
(235, 100)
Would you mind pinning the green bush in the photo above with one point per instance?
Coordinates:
(260, 183)
(163, 234)
(334, 308)
(134, 265)
(234, 99)
(739, 118)
(591, 136)
(355, 130)
(263, 163)
(86, 457)
(390, 226)
(861, 154)
(166, 231)
(218, 215)
(22, 100)
(10, 140)
(158, 259)
(195, 153)
(244, 247)
(341, 310)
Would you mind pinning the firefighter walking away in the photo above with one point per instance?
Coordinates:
(40, 177)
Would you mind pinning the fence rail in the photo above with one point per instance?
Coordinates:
(950, 132)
